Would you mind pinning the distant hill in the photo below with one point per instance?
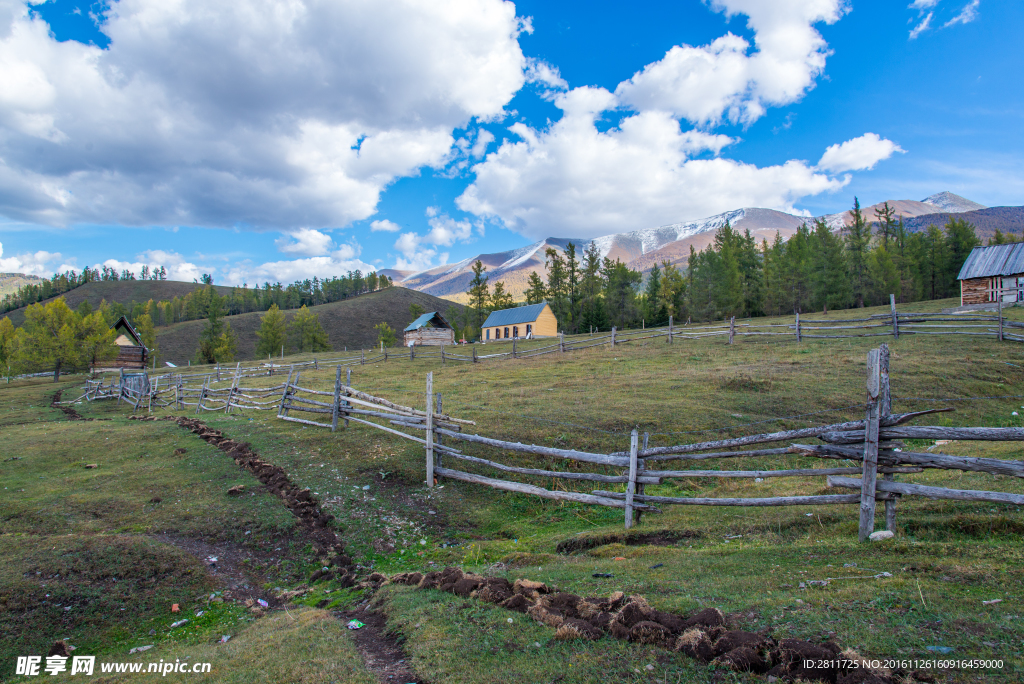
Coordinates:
(123, 291)
(349, 323)
(12, 282)
(945, 202)
(986, 221)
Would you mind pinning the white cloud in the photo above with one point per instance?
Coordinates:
(921, 27)
(339, 262)
(444, 231)
(724, 79)
(305, 241)
(968, 14)
(267, 113)
(539, 71)
(573, 180)
(385, 226)
(483, 139)
(857, 154)
(923, 4)
(40, 263)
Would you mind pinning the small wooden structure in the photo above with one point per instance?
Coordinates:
(131, 352)
(535, 320)
(430, 328)
(993, 274)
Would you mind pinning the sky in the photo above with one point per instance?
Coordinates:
(277, 140)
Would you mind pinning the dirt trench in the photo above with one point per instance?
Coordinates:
(71, 413)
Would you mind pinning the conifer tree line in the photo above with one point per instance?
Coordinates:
(193, 306)
(816, 269)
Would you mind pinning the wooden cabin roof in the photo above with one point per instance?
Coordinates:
(515, 316)
(125, 328)
(431, 319)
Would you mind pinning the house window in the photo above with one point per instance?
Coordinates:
(497, 333)
(506, 333)
(515, 331)
(488, 335)
(529, 329)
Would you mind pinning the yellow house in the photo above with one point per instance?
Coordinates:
(535, 320)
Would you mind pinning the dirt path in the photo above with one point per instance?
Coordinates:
(68, 411)
(382, 653)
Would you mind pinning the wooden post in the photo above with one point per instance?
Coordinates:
(1000, 309)
(218, 371)
(348, 383)
(282, 352)
(316, 366)
(234, 385)
(669, 332)
(202, 394)
(885, 410)
(442, 354)
(631, 485)
(412, 354)
(120, 386)
(440, 411)
(362, 357)
(474, 354)
(561, 342)
(613, 336)
(513, 347)
(895, 318)
(284, 395)
(430, 429)
(797, 326)
(640, 467)
(870, 472)
(337, 400)
(732, 328)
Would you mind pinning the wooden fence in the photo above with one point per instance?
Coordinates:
(872, 444)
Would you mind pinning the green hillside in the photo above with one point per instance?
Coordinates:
(11, 282)
(349, 323)
(123, 291)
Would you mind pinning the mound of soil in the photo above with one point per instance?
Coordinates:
(702, 636)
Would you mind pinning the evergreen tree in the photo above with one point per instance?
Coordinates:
(572, 287)
(620, 293)
(672, 292)
(210, 338)
(536, 292)
(385, 334)
(273, 332)
(654, 311)
(144, 326)
(309, 335)
(858, 238)
(829, 283)
(887, 223)
(479, 296)
(227, 346)
(558, 287)
(501, 299)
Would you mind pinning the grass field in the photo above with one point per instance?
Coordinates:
(76, 526)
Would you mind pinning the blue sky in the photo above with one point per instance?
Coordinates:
(263, 140)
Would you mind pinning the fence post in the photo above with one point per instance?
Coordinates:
(1000, 295)
(870, 472)
(316, 366)
(348, 383)
(561, 342)
(120, 386)
(613, 336)
(234, 385)
(202, 394)
(732, 328)
(412, 354)
(282, 352)
(513, 347)
(442, 355)
(440, 411)
(885, 410)
(430, 429)
(362, 357)
(669, 330)
(895, 318)
(284, 395)
(797, 326)
(337, 399)
(631, 485)
(474, 354)
(640, 467)
(218, 371)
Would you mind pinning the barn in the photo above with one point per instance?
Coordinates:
(430, 328)
(535, 320)
(131, 352)
(991, 273)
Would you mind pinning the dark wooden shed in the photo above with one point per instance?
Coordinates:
(131, 352)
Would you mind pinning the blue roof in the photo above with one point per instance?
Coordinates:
(516, 316)
(426, 318)
(995, 260)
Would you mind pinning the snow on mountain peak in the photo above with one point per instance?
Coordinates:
(953, 204)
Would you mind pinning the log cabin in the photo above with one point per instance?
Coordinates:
(131, 352)
(430, 328)
(993, 273)
(534, 320)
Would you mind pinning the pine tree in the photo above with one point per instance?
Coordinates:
(273, 332)
(886, 223)
(858, 238)
(308, 333)
(226, 346)
(558, 287)
(536, 292)
(828, 281)
(479, 296)
(385, 334)
(501, 299)
(144, 326)
(572, 287)
(210, 338)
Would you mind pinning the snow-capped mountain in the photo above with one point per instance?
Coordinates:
(644, 248)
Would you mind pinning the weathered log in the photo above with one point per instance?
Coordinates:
(930, 492)
(819, 500)
(929, 432)
(601, 459)
(749, 474)
(539, 491)
(593, 477)
(305, 422)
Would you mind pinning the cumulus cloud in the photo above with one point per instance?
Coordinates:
(576, 178)
(573, 180)
(384, 225)
(539, 71)
(265, 113)
(725, 79)
(444, 231)
(40, 263)
(305, 241)
(857, 154)
(968, 14)
(178, 267)
(923, 4)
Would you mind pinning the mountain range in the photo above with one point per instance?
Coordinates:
(642, 249)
